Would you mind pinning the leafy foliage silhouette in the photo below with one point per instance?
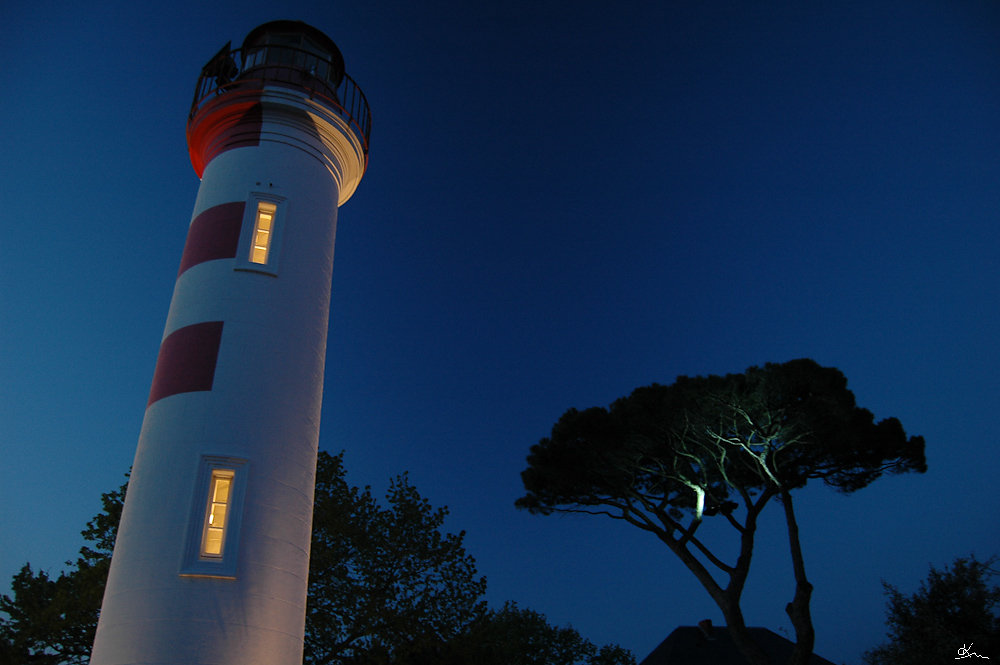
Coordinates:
(954, 608)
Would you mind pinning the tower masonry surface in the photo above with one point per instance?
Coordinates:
(212, 557)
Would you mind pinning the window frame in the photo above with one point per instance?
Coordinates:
(196, 562)
(248, 230)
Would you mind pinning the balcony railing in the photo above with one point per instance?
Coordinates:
(232, 70)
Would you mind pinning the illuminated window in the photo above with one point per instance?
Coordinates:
(262, 232)
(219, 493)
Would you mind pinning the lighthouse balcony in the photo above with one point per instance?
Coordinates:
(318, 75)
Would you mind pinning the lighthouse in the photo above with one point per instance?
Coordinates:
(212, 557)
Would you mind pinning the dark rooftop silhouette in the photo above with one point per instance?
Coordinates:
(713, 645)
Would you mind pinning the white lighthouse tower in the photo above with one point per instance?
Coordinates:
(212, 557)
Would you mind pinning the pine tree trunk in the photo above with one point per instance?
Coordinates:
(798, 609)
(741, 636)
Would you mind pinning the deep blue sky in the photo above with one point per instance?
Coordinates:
(566, 200)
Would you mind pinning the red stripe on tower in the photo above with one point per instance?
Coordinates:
(214, 234)
(186, 362)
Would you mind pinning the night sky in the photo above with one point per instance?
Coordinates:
(565, 201)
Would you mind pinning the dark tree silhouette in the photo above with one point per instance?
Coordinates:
(517, 636)
(666, 457)
(955, 608)
(383, 581)
(51, 621)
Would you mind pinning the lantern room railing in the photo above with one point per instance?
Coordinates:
(258, 66)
